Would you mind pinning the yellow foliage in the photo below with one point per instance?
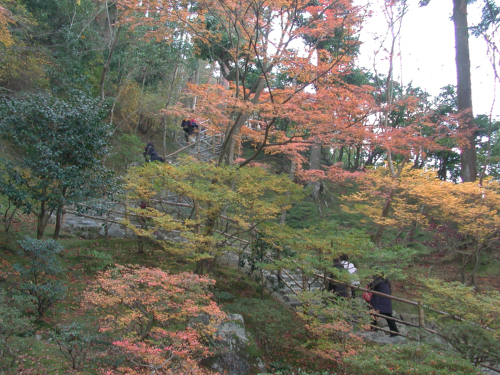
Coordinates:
(418, 194)
(463, 303)
(22, 70)
(5, 35)
(215, 203)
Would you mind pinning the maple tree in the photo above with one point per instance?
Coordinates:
(331, 335)
(471, 210)
(255, 44)
(464, 316)
(213, 206)
(156, 317)
(419, 199)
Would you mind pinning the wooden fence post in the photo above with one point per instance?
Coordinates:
(421, 319)
(198, 146)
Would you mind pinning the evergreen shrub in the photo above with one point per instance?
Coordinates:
(39, 278)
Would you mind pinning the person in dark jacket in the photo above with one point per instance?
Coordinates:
(148, 150)
(185, 127)
(189, 127)
(381, 304)
(338, 289)
(156, 157)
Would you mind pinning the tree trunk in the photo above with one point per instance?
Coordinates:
(227, 149)
(377, 238)
(341, 155)
(9, 216)
(59, 216)
(314, 163)
(57, 229)
(196, 81)
(139, 118)
(358, 157)
(165, 123)
(43, 219)
(464, 92)
(292, 177)
(108, 62)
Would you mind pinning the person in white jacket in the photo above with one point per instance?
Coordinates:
(344, 259)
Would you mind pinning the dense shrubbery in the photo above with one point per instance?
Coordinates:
(13, 324)
(39, 279)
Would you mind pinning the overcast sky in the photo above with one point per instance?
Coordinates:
(427, 47)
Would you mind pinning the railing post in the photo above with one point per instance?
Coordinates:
(421, 319)
(198, 138)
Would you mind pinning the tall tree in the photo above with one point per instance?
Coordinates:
(464, 91)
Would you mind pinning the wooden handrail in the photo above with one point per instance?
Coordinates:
(403, 300)
(198, 140)
(368, 290)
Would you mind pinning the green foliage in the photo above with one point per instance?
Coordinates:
(302, 215)
(61, 143)
(264, 250)
(465, 320)
(477, 345)
(73, 39)
(74, 341)
(488, 146)
(220, 201)
(280, 368)
(330, 324)
(39, 278)
(99, 261)
(389, 260)
(408, 359)
(13, 324)
(274, 328)
(127, 150)
(222, 296)
(315, 248)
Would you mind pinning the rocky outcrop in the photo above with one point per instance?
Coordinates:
(237, 352)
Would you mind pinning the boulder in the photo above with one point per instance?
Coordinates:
(238, 353)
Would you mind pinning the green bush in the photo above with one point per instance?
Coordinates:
(470, 341)
(411, 359)
(303, 215)
(128, 149)
(272, 326)
(74, 341)
(99, 261)
(39, 281)
(222, 296)
(13, 325)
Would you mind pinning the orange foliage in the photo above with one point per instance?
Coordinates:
(155, 314)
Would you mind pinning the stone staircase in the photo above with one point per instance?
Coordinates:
(203, 147)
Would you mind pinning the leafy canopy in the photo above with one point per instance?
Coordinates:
(60, 143)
